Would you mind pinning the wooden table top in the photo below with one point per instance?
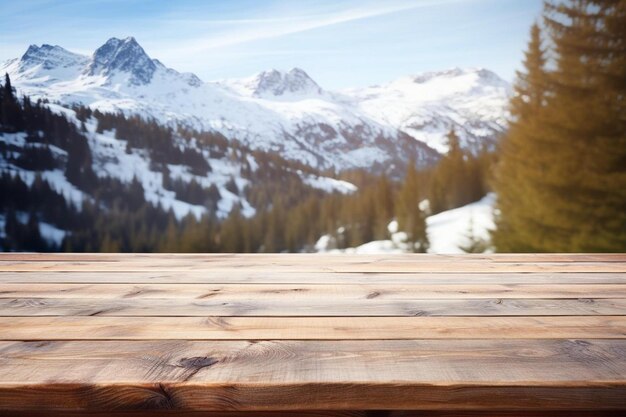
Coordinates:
(223, 333)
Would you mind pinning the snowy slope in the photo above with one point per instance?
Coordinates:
(426, 106)
(279, 111)
(451, 230)
(448, 231)
(112, 159)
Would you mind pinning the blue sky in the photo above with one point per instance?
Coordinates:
(340, 43)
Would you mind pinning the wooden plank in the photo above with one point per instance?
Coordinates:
(307, 307)
(423, 267)
(254, 397)
(243, 375)
(321, 413)
(293, 257)
(273, 413)
(309, 328)
(314, 263)
(237, 276)
(238, 292)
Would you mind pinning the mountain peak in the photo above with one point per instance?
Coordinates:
(49, 57)
(279, 83)
(35, 50)
(481, 74)
(116, 43)
(123, 55)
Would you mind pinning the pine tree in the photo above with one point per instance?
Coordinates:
(233, 237)
(562, 178)
(518, 171)
(383, 208)
(474, 244)
(11, 117)
(449, 185)
(8, 88)
(170, 240)
(78, 169)
(110, 245)
(411, 217)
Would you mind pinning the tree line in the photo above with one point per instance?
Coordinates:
(293, 225)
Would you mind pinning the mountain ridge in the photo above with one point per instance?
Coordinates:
(380, 128)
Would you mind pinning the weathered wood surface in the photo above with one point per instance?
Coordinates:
(439, 335)
(237, 276)
(224, 264)
(324, 413)
(310, 307)
(309, 328)
(272, 292)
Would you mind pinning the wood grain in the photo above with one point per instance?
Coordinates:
(344, 336)
(416, 374)
(294, 257)
(309, 263)
(325, 396)
(235, 292)
(308, 328)
(310, 307)
(237, 276)
(322, 413)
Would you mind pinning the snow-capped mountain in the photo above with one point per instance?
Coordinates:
(379, 128)
(426, 106)
(50, 58)
(45, 65)
(294, 84)
(124, 56)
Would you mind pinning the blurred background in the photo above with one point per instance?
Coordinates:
(313, 126)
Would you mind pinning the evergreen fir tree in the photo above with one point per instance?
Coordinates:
(474, 243)
(11, 117)
(411, 217)
(450, 185)
(518, 170)
(384, 207)
(562, 178)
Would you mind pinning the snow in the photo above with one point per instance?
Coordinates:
(56, 179)
(60, 184)
(275, 84)
(426, 106)
(111, 160)
(252, 162)
(376, 247)
(15, 139)
(51, 233)
(329, 184)
(281, 111)
(324, 243)
(448, 231)
(392, 227)
(277, 111)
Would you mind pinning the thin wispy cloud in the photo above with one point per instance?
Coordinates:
(252, 30)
